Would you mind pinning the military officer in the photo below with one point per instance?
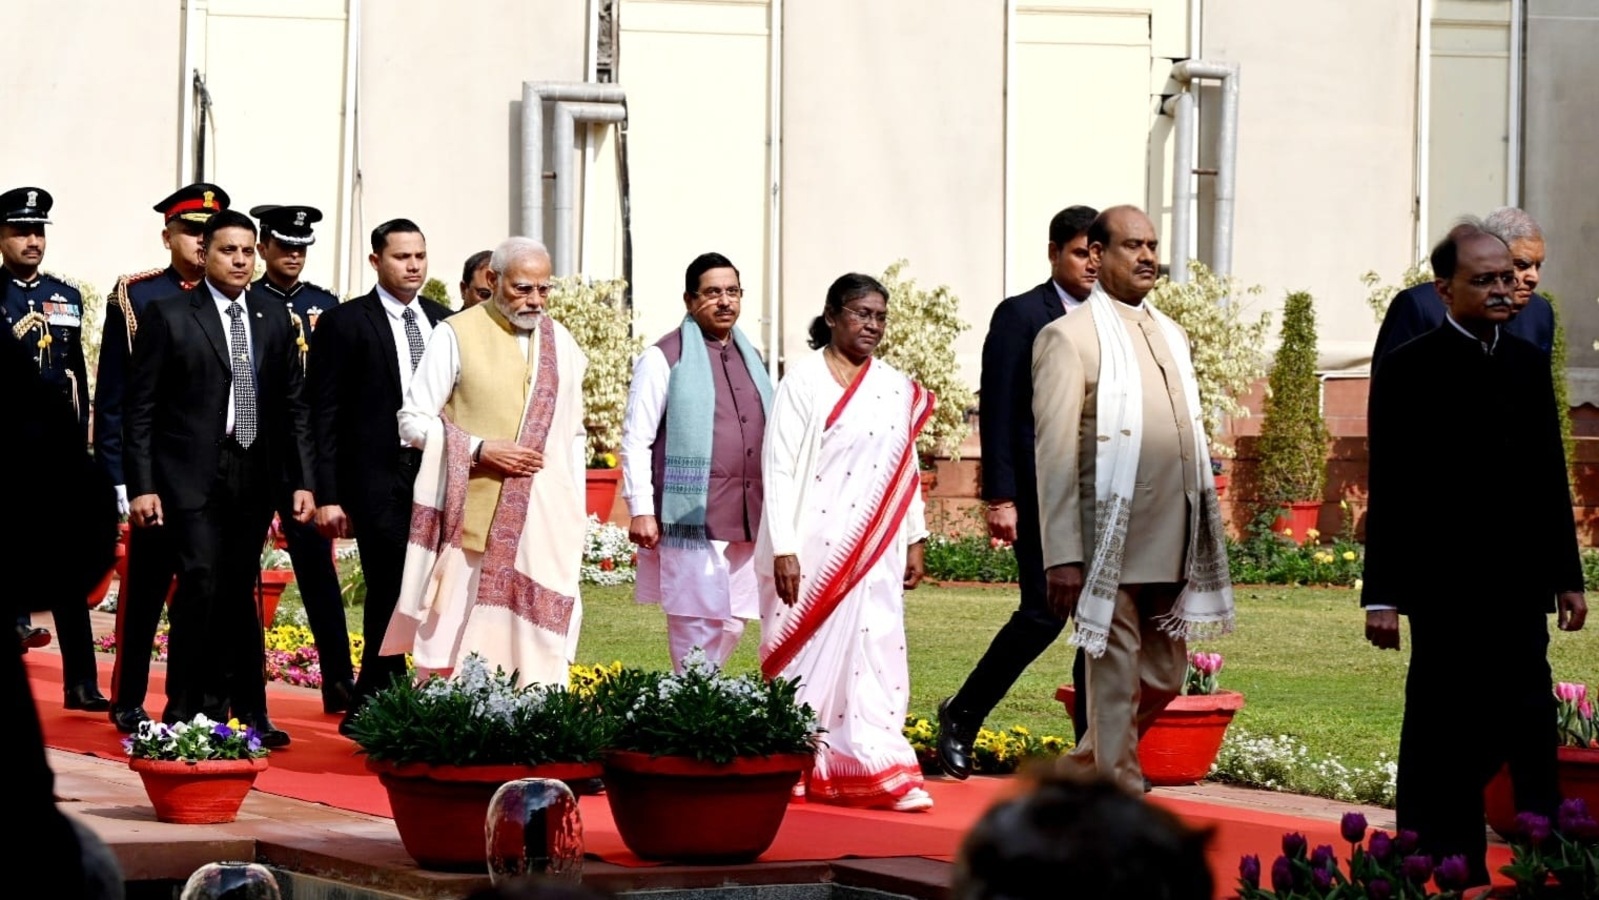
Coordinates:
(151, 566)
(46, 314)
(285, 236)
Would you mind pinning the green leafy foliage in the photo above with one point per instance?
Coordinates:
(1293, 437)
(603, 327)
(920, 341)
(1557, 366)
(706, 714)
(969, 557)
(435, 290)
(1379, 295)
(481, 718)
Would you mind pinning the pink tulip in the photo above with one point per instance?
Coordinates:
(1585, 709)
(1567, 692)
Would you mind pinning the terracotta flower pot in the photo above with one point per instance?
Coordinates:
(601, 492)
(440, 811)
(680, 809)
(929, 481)
(273, 581)
(1579, 777)
(1182, 744)
(1222, 481)
(200, 793)
(1300, 516)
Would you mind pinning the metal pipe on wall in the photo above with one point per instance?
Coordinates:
(1186, 72)
(774, 174)
(534, 94)
(564, 137)
(1513, 145)
(346, 267)
(1181, 108)
(1423, 125)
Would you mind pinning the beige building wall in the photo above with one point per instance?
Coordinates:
(893, 146)
(91, 92)
(1326, 150)
(696, 81)
(1469, 98)
(439, 136)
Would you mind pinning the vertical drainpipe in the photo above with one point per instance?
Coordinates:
(189, 61)
(347, 266)
(1513, 146)
(1186, 73)
(774, 170)
(1181, 108)
(534, 94)
(1423, 125)
(563, 136)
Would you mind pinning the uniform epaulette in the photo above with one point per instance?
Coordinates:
(119, 296)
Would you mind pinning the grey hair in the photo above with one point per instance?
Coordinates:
(1510, 224)
(512, 249)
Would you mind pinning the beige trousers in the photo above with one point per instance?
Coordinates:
(1140, 671)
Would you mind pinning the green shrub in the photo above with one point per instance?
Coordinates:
(1293, 437)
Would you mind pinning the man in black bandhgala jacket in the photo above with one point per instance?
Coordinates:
(1470, 535)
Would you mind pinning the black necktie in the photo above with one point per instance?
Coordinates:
(243, 379)
(413, 336)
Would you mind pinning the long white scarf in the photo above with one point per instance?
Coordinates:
(1205, 607)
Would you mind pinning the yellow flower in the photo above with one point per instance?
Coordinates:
(1288, 532)
(1359, 583)
(1312, 534)
(1349, 556)
(233, 724)
(1020, 729)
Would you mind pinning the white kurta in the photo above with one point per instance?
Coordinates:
(439, 623)
(716, 581)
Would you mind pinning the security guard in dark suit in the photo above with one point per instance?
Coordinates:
(151, 566)
(285, 236)
(46, 315)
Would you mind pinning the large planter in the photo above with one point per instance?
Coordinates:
(200, 793)
(1181, 745)
(679, 809)
(273, 581)
(440, 811)
(601, 492)
(1579, 777)
(1300, 516)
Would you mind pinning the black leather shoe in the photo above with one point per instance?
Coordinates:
(1148, 786)
(86, 697)
(32, 638)
(272, 737)
(954, 743)
(347, 724)
(127, 718)
(338, 696)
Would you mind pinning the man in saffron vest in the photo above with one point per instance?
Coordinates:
(497, 522)
(691, 467)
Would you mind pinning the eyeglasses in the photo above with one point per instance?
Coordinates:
(716, 293)
(528, 290)
(1487, 279)
(862, 317)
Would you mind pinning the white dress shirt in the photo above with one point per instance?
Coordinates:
(223, 303)
(402, 344)
(1070, 301)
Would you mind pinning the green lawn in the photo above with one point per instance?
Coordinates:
(1299, 656)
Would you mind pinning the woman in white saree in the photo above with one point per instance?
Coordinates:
(840, 543)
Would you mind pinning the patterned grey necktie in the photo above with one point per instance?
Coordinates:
(413, 336)
(243, 379)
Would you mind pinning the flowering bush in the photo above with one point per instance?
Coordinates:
(478, 717)
(603, 327)
(1379, 295)
(93, 322)
(705, 713)
(1568, 852)
(196, 740)
(1385, 868)
(1577, 725)
(606, 460)
(609, 558)
(969, 557)
(993, 752)
(919, 341)
(1228, 347)
(1202, 671)
(1283, 763)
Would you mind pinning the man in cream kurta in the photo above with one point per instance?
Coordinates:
(498, 524)
(1127, 504)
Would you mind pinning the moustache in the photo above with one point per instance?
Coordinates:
(1497, 302)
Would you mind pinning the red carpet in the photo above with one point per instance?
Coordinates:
(322, 767)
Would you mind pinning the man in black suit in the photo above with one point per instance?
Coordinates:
(362, 356)
(215, 419)
(1419, 309)
(1010, 485)
(1463, 425)
(286, 237)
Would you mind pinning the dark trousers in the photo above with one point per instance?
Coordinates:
(1479, 695)
(1026, 635)
(318, 580)
(151, 567)
(380, 536)
(216, 644)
